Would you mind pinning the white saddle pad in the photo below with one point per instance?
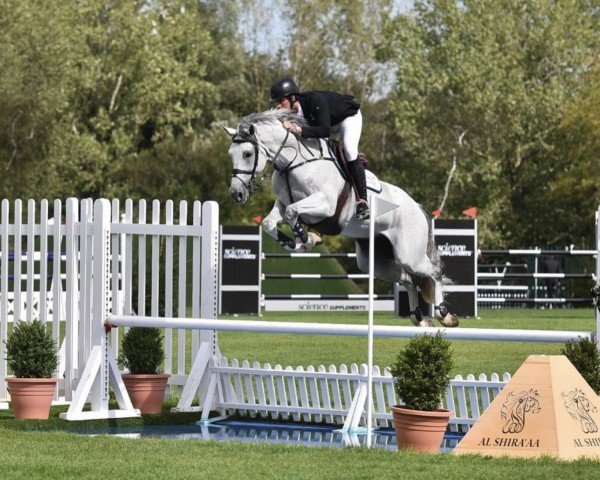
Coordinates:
(373, 182)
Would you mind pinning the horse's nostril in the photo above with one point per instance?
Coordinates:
(237, 196)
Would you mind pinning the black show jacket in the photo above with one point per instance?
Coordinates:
(324, 109)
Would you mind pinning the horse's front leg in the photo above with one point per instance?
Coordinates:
(316, 204)
(270, 223)
(304, 241)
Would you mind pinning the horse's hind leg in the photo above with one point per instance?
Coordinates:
(416, 316)
(388, 270)
(433, 293)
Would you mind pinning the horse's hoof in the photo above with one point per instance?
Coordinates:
(450, 320)
(316, 239)
(426, 322)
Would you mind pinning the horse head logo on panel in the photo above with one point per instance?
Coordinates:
(579, 407)
(515, 407)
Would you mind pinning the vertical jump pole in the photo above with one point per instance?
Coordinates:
(204, 303)
(378, 207)
(597, 309)
(373, 208)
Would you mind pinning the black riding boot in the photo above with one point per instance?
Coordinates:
(357, 172)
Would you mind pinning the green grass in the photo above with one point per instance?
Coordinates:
(469, 356)
(58, 455)
(298, 265)
(39, 449)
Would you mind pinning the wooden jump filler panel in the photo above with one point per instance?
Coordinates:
(547, 408)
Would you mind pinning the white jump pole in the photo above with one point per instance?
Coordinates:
(373, 208)
(598, 265)
(353, 330)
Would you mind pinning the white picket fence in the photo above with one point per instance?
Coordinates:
(48, 246)
(177, 264)
(328, 394)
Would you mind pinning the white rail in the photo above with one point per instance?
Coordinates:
(348, 329)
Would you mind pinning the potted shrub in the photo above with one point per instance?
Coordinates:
(421, 375)
(142, 354)
(32, 355)
(585, 357)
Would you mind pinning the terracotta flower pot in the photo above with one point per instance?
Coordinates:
(146, 392)
(31, 397)
(419, 430)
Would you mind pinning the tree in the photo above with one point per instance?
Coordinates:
(574, 193)
(499, 75)
(90, 88)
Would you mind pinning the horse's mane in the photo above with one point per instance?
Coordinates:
(271, 116)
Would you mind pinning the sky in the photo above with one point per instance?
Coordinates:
(271, 28)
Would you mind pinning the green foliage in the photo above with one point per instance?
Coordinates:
(585, 357)
(31, 351)
(575, 191)
(142, 350)
(422, 371)
(124, 99)
(499, 76)
(87, 88)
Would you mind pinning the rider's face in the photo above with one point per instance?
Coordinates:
(284, 103)
(287, 103)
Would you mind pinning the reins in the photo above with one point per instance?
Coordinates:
(253, 183)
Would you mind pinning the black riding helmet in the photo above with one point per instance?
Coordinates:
(282, 88)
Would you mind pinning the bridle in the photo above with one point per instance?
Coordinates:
(253, 183)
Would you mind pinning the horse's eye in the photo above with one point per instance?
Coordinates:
(247, 154)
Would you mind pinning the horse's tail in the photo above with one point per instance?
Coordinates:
(428, 284)
(432, 252)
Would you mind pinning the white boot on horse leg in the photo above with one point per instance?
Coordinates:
(271, 223)
(312, 205)
(312, 241)
(274, 219)
(416, 316)
(446, 318)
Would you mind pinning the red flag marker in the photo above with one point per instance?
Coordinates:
(437, 213)
(257, 218)
(471, 212)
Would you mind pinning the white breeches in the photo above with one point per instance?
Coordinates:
(350, 129)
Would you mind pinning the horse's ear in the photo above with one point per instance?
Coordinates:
(230, 131)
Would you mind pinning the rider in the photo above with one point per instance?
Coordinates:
(324, 110)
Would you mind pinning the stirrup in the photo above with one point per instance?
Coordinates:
(362, 210)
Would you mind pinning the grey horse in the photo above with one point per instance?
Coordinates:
(311, 190)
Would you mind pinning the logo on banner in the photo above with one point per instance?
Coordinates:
(453, 250)
(238, 254)
(329, 307)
